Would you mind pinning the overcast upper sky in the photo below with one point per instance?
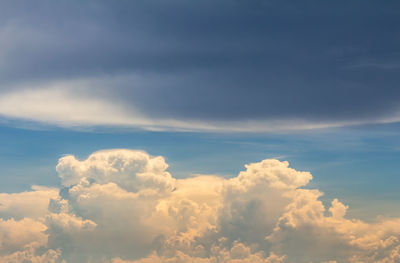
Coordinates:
(200, 64)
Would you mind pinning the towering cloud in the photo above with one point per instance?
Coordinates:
(122, 206)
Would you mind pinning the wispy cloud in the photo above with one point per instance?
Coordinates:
(80, 103)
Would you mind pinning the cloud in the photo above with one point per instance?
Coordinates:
(32, 204)
(86, 103)
(75, 104)
(21, 234)
(199, 66)
(123, 206)
(29, 255)
(64, 105)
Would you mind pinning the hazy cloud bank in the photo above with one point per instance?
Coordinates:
(123, 206)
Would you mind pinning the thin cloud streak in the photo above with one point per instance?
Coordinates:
(76, 104)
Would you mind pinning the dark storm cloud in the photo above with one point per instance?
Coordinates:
(214, 60)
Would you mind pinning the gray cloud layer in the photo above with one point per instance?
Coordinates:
(210, 62)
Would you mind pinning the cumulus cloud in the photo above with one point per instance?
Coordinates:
(123, 206)
(22, 233)
(32, 204)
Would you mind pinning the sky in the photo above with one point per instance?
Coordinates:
(199, 131)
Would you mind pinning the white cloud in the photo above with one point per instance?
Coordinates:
(88, 102)
(21, 234)
(130, 170)
(30, 255)
(65, 104)
(32, 204)
(123, 206)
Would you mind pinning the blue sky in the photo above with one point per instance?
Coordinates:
(98, 98)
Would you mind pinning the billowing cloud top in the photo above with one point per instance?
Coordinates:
(202, 65)
(122, 206)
